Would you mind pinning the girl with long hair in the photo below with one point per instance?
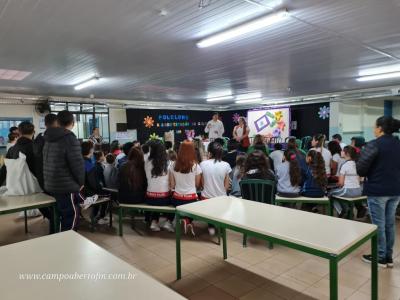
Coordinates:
(348, 181)
(132, 179)
(257, 166)
(185, 179)
(289, 175)
(318, 144)
(315, 180)
(156, 166)
(258, 144)
(337, 160)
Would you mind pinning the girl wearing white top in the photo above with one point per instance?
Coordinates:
(215, 179)
(158, 191)
(337, 160)
(317, 144)
(349, 181)
(241, 133)
(185, 178)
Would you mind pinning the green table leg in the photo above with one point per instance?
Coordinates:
(224, 246)
(244, 240)
(219, 235)
(333, 278)
(330, 207)
(120, 220)
(178, 246)
(92, 223)
(26, 221)
(351, 211)
(56, 220)
(110, 209)
(374, 267)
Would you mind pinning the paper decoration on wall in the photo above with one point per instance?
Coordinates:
(154, 137)
(190, 134)
(169, 136)
(324, 112)
(173, 117)
(235, 118)
(148, 122)
(269, 122)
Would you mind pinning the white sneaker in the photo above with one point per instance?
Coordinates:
(162, 221)
(154, 226)
(103, 221)
(211, 231)
(168, 226)
(89, 201)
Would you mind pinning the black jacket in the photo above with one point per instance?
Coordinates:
(380, 164)
(25, 146)
(63, 165)
(38, 145)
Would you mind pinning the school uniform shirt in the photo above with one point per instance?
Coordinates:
(185, 183)
(327, 156)
(283, 176)
(351, 178)
(339, 160)
(214, 173)
(159, 184)
(216, 129)
(276, 157)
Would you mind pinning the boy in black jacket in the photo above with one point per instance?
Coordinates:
(24, 145)
(63, 169)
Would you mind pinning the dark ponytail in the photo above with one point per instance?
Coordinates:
(389, 125)
(294, 167)
(352, 152)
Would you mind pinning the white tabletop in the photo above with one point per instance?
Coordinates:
(350, 199)
(16, 202)
(67, 253)
(320, 232)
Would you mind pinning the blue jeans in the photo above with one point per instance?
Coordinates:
(383, 214)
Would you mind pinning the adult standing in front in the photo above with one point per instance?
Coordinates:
(96, 138)
(380, 164)
(214, 128)
(49, 121)
(241, 134)
(64, 169)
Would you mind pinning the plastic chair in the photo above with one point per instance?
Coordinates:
(258, 190)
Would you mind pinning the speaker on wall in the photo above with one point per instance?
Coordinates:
(122, 127)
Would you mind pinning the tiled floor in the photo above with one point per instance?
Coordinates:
(249, 273)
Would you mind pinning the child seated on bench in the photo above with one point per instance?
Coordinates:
(315, 179)
(349, 182)
(289, 176)
(158, 192)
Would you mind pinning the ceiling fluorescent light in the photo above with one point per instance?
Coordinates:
(248, 101)
(379, 77)
(87, 83)
(243, 29)
(248, 96)
(379, 70)
(221, 98)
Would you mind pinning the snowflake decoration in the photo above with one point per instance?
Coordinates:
(148, 122)
(324, 112)
(235, 118)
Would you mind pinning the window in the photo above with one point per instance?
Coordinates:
(87, 116)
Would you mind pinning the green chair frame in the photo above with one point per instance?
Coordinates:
(259, 190)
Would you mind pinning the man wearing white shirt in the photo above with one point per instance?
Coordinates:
(214, 128)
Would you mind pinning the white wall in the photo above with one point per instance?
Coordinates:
(20, 111)
(356, 117)
(117, 115)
